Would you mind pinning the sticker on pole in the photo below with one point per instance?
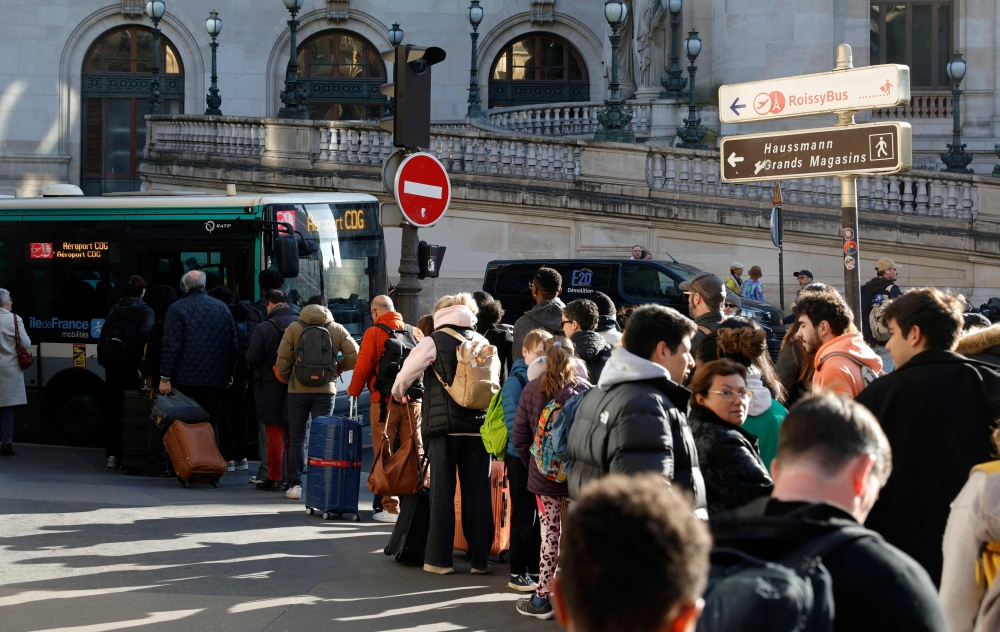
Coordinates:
(422, 189)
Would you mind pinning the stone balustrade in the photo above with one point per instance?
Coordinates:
(921, 106)
(562, 119)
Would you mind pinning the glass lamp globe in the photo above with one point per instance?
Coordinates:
(475, 13)
(395, 35)
(615, 11)
(155, 9)
(293, 4)
(213, 24)
(692, 45)
(956, 67)
(675, 6)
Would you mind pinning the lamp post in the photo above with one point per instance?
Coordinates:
(673, 84)
(294, 95)
(693, 131)
(955, 159)
(395, 39)
(214, 26)
(475, 17)
(615, 117)
(155, 10)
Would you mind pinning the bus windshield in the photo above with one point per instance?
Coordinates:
(348, 270)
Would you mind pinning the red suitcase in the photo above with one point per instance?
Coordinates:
(193, 453)
(500, 492)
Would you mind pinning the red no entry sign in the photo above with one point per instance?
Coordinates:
(422, 189)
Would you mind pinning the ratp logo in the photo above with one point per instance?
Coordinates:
(209, 225)
(96, 325)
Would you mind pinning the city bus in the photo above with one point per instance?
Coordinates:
(65, 258)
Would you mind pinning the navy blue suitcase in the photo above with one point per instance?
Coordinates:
(333, 482)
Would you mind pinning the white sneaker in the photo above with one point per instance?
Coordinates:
(384, 516)
(112, 462)
(256, 479)
(230, 466)
(294, 492)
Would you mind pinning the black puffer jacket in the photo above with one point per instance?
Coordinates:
(199, 341)
(138, 318)
(594, 350)
(730, 461)
(270, 394)
(634, 422)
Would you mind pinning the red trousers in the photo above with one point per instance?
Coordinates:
(277, 436)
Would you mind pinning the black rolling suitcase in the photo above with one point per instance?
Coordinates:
(409, 537)
(136, 456)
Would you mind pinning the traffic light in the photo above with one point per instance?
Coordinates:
(430, 257)
(411, 89)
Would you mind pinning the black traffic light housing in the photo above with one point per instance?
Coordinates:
(411, 91)
(430, 257)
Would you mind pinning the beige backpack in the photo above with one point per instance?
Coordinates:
(477, 373)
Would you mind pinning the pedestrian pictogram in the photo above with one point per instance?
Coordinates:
(422, 189)
(882, 146)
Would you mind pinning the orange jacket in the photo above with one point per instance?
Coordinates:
(372, 344)
(840, 374)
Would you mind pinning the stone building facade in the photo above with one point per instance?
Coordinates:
(75, 73)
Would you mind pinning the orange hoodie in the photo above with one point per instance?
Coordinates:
(840, 374)
(372, 345)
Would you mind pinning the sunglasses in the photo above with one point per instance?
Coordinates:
(566, 322)
(731, 306)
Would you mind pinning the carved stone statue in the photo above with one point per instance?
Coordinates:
(649, 42)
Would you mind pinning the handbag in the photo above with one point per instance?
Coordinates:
(396, 473)
(24, 357)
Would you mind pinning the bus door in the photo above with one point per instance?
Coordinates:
(225, 265)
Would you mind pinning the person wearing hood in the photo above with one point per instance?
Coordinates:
(452, 439)
(727, 454)
(832, 460)
(882, 286)
(733, 282)
(827, 331)
(547, 312)
(578, 323)
(939, 410)
(634, 421)
(706, 294)
(304, 400)
(500, 336)
(982, 343)
(744, 342)
(119, 351)
(607, 320)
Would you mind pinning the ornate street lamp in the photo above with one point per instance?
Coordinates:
(693, 131)
(214, 26)
(615, 117)
(475, 17)
(955, 159)
(294, 95)
(673, 84)
(395, 35)
(155, 10)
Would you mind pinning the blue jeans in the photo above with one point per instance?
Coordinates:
(887, 364)
(7, 424)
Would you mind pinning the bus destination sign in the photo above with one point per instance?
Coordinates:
(69, 250)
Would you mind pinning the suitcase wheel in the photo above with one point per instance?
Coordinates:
(356, 518)
(216, 483)
(310, 511)
(327, 515)
(186, 484)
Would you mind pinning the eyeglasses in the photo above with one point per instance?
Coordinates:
(730, 306)
(730, 396)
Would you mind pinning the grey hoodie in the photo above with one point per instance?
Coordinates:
(546, 315)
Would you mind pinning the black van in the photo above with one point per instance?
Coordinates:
(627, 282)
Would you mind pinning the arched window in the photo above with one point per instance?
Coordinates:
(342, 73)
(538, 68)
(116, 74)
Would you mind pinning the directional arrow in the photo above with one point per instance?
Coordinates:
(733, 159)
(737, 106)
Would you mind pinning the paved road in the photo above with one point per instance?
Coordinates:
(84, 549)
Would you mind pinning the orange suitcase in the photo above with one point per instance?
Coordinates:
(193, 453)
(500, 492)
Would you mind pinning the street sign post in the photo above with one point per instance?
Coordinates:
(828, 151)
(853, 89)
(422, 189)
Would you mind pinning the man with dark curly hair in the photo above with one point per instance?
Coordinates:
(546, 314)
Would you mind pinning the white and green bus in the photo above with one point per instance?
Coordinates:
(65, 258)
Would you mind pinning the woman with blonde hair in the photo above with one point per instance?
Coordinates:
(561, 380)
(451, 438)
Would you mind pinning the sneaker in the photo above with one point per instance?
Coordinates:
(112, 462)
(242, 466)
(384, 516)
(481, 571)
(439, 570)
(230, 466)
(269, 486)
(294, 492)
(256, 481)
(6, 449)
(522, 583)
(535, 607)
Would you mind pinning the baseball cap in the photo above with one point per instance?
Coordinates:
(884, 264)
(736, 264)
(706, 284)
(805, 272)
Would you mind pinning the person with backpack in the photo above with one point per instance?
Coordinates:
(875, 294)
(832, 460)
(461, 374)
(540, 402)
(547, 312)
(307, 363)
(525, 529)
(579, 324)
(842, 361)
(270, 394)
(706, 294)
(384, 348)
(119, 351)
(499, 335)
(939, 410)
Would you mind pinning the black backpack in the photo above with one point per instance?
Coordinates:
(394, 352)
(118, 348)
(315, 358)
(748, 594)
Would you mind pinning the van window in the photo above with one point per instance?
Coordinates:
(513, 280)
(648, 283)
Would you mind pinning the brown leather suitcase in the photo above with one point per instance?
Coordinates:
(193, 453)
(500, 492)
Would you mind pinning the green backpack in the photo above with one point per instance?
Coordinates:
(494, 430)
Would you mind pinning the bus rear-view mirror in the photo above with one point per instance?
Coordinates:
(308, 247)
(286, 255)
